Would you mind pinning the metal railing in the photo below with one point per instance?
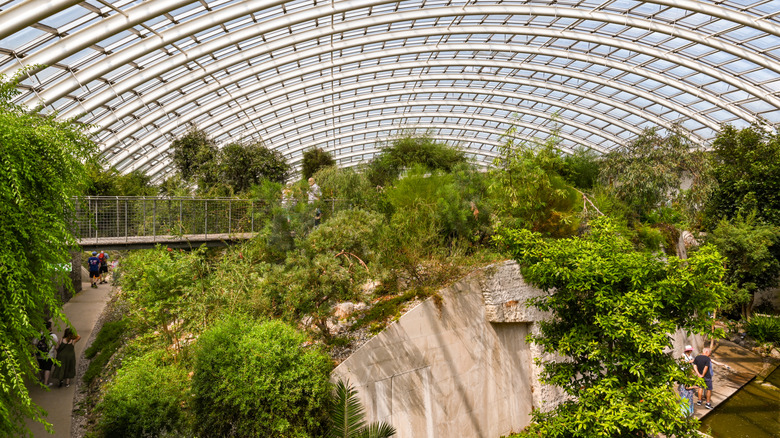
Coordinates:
(159, 219)
(116, 217)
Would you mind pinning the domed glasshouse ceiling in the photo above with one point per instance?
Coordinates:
(346, 75)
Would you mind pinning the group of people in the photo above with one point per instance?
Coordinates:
(50, 347)
(313, 195)
(703, 367)
(98, 268)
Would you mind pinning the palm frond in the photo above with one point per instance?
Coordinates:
(346, 413)
(377, 430)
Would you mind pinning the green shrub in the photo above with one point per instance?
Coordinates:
(153, 283)
(146, 398)
(259, 380)
(350, 187)
(764, 328)
(107, 342)
(581, 168)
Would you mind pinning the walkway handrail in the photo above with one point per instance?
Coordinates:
(122, 219)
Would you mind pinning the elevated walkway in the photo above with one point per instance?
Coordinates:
(173, 241)
(117, 222)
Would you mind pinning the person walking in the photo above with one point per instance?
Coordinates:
(46, 346)
(103, 257)
(702, 365)
(314, 195)
(94, 269)
(66, 354)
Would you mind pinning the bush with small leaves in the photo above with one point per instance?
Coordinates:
(259, 380)
(146, 398)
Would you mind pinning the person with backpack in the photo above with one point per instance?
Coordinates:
(103, 257)
(94, 269)
(46, 345)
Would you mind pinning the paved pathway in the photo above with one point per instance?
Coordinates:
(83, 311)
(738, 366)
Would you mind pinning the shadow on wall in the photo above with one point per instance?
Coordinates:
(446, 371)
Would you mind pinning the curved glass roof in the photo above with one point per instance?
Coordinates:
(345, 75)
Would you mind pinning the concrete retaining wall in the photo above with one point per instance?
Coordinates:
(459, 366)
(445, 371)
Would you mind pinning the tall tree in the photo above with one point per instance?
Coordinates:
(649, 172)
(527, 190)
(41, 170)
(107, 181)
(613, 310)
(245, 165)
(193, 153)
(752, 250)
(315, 159)
(409, 150)
(746, 168)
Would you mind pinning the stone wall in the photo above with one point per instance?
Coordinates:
(459, 366)
(74, 277)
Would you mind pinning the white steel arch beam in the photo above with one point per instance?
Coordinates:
(24, 13)
(164, 129)
(126, 132)
(29, 12)
(730, 14)
(159, 112)
(178, 60)
(491, 105)
(173, 85)
(470, 116)
(97, 32)
(435, 115)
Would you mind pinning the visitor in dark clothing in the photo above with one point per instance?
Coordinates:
(702, 365)
(103, 257)
(94, 268)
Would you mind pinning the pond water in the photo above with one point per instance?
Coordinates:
(753, 412)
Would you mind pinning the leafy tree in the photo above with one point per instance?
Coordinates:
(245, 165)
(746, 168)
(175, 185)
(259, 380)
(350, 186)
(408, 150)
(752, 250)
(347, 416)
(649, 172)
(194, 154)
(581, 168)
(314, 160)
(527, 190)
(41, 171)
(612, 312)
(437, 194)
